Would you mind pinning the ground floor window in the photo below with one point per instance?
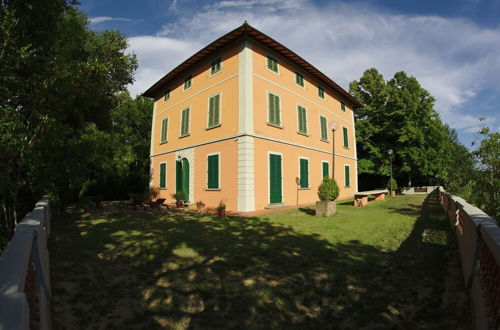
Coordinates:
(347, 175)
(304, 173)
(163, 175)
(325, 168)
(213, 171)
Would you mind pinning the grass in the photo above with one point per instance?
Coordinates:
(388, 265)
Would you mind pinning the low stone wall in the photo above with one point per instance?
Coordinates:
(25, 291)
(478, 237)
(424, 190)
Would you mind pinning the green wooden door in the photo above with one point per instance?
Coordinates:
(178, 176)
(275, 179)
(185, 178)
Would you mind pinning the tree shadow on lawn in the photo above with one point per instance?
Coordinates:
(139, 270)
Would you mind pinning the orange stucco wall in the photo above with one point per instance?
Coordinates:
(292, 195)
(227, 175)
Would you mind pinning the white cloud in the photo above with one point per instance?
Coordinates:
(453, 58)
(102, 19)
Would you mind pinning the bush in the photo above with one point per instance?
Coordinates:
(394, 184)
(328, 190)
(85, 205)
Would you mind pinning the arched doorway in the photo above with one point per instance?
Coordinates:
(182, 177)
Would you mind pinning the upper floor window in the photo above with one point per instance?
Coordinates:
(214, 111)
(216, 66)
(346, 139)
(272, 64)
(299, 79)
(164, 130)
(324, 130)
(187, 82)
(274, 110)
(185, 122)
(166, 96)
(321, 92)
(342, 106)
(302, 119)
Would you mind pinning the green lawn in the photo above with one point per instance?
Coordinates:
(388, 265)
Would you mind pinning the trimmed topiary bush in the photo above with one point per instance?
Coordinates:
(394, 184)
(328, 190)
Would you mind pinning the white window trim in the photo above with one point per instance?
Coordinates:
(347, 134)
(345, 181)
(184, 83)
(298, 121)
(189, 122)
(269, 153)
(268, 108)
(218, 177)
(220, 110)
(210, 74)
(277, 64)
(329, 169)
(168, 123)
(159, 175)
(303, 80)
(327, 135)
(324, 93)
(308, 176)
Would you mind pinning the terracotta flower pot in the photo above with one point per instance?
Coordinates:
(221, 213)
(179, 203)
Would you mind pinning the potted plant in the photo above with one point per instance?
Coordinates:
(179, 198)
(221, 209)
(392, 185)
(154, 192)
(200, 206)
(328, 191)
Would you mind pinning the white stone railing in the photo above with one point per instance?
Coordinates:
(25, 291)
(478, 237)
(418, 190)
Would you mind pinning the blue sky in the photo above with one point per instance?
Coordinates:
(451, 47)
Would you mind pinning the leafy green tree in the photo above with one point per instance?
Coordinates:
(399, 115)
(58, 86)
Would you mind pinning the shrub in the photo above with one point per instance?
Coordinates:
(394, 184)
(328, 190)
(222, 206)
(84, 205)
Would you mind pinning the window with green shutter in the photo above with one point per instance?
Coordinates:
(166, 96)
(326, 169)
(164, 130)
(324, 131)
(342, 106)
(213, 172)
(187, 82)
(272, 64)
(321, 92)
(302, 119)
(185, 122)
(304, 173)
(215, 66)
(347, 176)
(274, 110)
(299, 79)
(163, 175)
(346, 140)
(214, 111)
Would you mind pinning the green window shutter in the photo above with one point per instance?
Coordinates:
(164, 126)
(213, 172)
(326, 169)
(166, 96)
(324, 132)
(185, 122)
(346, 140)
(304, 173)
(274, 110)
(347, 177)
(216, 110)
(215, 66)
(321, 92)
(187, 82)
(163, 175)
(272, 64)
(211, 112)
(301, 113)
(299, 79)
(342, 106)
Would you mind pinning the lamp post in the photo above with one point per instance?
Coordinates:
(390, 159)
